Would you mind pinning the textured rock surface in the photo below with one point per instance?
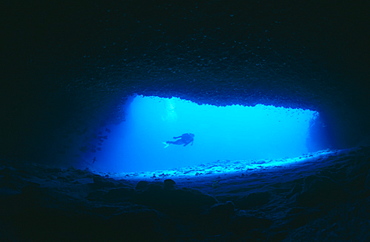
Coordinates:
(67, 69)
(71, 67)
(298, 202)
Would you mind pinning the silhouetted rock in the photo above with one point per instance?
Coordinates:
(138, 225)
(242, 225)
(300, 216)
(318, 190)
(119, 194)
(142, 185)
(32, 190)
(101, 182)
(169, 184)
(253, 200)
(184, 201)
(217, 218)
(367, 181)
(222, 210)
(48, 204)
(113, 195)
(96, 196)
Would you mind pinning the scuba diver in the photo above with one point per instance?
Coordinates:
(184, 139)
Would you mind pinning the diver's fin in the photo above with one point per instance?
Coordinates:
(166, 144)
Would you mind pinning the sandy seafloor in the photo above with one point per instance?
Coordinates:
(322, 196)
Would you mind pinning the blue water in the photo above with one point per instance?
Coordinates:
(221, 133)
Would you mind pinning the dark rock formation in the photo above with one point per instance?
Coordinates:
(253, 200)
(318, 190)
(68, 69)
(169, 184)
(315, 200)
(222, 210)
(142, 185)
(60, 88)
(180, 202)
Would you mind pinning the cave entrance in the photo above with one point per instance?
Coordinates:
(221, 134)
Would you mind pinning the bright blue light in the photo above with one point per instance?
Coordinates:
(221, 133)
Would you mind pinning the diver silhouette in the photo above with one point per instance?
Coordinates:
(184, 139)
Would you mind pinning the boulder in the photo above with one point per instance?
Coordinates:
(169, 184)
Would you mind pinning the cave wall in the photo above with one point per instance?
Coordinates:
(69, 66)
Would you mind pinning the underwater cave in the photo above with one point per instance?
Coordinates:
(196, 120)
(237, 133)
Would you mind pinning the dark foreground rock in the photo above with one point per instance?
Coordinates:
(178, 202)
(330, 203)
(253, 200)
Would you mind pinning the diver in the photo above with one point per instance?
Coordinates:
(184, 139)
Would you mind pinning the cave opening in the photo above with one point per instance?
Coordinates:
(151, 137)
